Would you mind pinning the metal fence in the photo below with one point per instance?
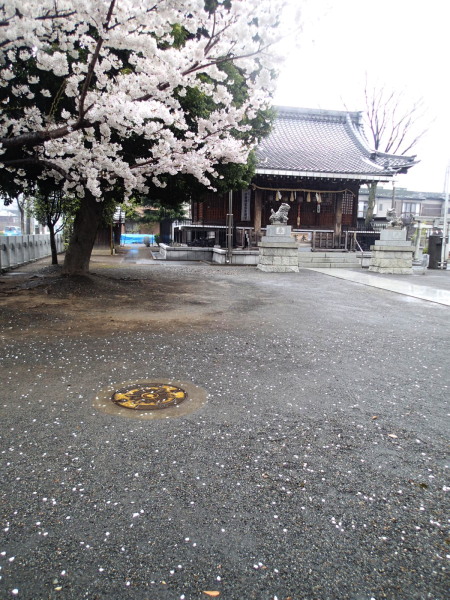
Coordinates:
(16, 250)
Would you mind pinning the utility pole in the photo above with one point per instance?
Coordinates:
(418, 236)
(445, 224)
(111, 239)
(230, 228)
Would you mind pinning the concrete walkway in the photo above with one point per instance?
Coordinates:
(405, 284)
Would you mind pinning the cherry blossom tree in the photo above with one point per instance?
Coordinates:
(93, 92)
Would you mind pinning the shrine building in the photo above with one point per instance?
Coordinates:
(314, 160)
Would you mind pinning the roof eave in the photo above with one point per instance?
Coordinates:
(328, 175)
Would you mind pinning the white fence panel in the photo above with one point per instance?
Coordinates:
(16, 250)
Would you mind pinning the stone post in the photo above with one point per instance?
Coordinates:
(392, 253)
(278, 252)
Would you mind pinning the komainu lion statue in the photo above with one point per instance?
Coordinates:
(394, 221)
(281, 216)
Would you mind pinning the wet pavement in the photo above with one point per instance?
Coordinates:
(434, 287)
(431, 285)
(138, 254)
(315, 469)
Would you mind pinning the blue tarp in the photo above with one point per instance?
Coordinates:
(137, 238)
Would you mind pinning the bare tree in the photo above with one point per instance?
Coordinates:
(393, 125)
(23, 206)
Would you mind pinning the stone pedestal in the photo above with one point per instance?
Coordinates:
(278, 252)
(392, 253)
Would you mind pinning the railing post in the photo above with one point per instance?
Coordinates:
(4, 253)
(12, 253)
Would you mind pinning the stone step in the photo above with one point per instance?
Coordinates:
(328, 265)
(332, 260)
(324, 259)
(332, 253)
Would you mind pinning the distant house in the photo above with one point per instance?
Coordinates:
(315, 160)
(8, 218)
(428, 206)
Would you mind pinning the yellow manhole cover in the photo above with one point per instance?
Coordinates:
(178, 398)
(153, 396)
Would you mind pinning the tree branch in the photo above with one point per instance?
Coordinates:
(37, 162)
(57, 15)
(94, 60)
(390, 124)
(36, 138)
(197, 67)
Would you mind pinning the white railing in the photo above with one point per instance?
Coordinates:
(16, 250)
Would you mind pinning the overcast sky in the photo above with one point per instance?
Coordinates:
(403, 45)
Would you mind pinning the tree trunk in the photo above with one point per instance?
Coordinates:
(22, 217)
(82, 241)
(51, 228)
(371, 202)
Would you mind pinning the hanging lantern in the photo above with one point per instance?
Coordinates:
(308, 197)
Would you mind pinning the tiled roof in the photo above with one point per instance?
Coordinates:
(314, 142)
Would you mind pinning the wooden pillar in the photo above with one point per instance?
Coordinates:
(338, 220)
(257, 215)
(355, 209)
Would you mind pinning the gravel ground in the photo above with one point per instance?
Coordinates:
(316, 469)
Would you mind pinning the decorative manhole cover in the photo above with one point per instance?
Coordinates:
(149, 396)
